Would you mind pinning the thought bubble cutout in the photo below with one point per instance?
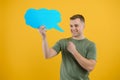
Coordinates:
(43, 17)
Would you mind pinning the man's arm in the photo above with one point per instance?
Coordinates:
(87, 64)
(48, 52)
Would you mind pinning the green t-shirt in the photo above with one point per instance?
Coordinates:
(70, 68)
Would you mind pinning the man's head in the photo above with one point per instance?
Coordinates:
(77, 23)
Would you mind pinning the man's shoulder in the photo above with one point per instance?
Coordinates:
(90, 42)
(65, 39)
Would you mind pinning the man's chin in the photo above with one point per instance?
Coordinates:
(74, 35)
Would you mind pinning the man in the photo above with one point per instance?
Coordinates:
(78, 53)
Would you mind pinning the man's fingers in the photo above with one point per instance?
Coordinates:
(70, 42)
(41, 28)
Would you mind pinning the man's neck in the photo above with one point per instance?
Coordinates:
(79, 37)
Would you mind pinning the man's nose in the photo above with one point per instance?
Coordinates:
(73, 28)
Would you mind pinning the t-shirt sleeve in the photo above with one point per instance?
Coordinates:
(57, 47)
(91, 54)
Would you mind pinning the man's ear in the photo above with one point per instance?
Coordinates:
(83, 25)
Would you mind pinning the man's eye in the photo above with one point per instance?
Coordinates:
(76, 25)
(71, 26)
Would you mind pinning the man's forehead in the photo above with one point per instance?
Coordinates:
(75, 21)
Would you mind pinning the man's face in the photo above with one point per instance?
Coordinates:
(76, 27)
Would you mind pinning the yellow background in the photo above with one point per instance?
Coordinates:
(21, 56)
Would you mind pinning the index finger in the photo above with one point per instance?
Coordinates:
(41, 27)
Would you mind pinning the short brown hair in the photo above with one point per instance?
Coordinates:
(78, 16)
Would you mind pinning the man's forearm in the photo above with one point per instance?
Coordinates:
(45, 47)
(85, 63)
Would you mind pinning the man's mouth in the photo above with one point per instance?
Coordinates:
(74, 31)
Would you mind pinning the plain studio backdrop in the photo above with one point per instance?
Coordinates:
(21, 56)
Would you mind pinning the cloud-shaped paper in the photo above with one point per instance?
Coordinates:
(48, 18)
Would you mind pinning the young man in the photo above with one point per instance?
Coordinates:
(78, 53)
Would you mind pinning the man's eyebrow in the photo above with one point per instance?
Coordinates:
(75, 24)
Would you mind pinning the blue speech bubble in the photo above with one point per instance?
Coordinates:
(43, 17)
